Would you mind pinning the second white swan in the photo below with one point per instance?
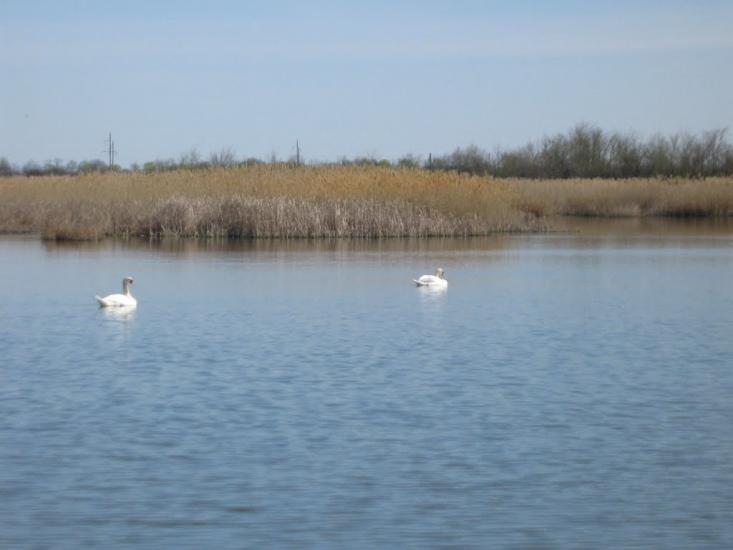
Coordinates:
(119, 300)
(432, 280)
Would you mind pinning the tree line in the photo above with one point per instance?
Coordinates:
(585, 151)
(589, 152)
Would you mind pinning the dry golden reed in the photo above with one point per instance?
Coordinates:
(331, 201)
(676, 197)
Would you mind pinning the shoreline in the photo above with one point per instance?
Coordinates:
(573, 226)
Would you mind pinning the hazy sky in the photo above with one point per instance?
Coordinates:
(381, 78)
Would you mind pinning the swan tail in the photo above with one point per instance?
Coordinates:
(101, 301)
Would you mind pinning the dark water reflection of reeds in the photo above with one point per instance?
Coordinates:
(591, 232)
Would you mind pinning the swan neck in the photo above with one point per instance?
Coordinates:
(125, 288)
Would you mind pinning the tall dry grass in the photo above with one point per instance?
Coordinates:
(351, 201)
(260, 201)
(677, 197)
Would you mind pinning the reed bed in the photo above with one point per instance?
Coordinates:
(275, 201)
(676, 197)
(260, 201)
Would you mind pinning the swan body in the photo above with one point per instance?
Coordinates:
(119, 300)
(437, 280)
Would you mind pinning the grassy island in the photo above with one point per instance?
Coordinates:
(282, 201)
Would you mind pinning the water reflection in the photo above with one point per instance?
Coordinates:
(124, 313)
(585, 232)
(432, 304)
(432, 292)
(338, 247)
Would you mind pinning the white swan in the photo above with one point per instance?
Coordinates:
(119, 300)
(437, 280)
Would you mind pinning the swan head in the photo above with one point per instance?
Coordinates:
(440, 273)
(127, 281)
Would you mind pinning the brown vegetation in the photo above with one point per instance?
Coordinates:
(351, 201)
(678, 197)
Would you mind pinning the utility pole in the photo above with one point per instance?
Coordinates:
(111, 151)
(297, 153)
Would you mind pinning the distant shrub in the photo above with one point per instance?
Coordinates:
(409, 161)
(586, 151)
(6, 169)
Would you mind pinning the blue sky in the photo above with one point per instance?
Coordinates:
(373, 78)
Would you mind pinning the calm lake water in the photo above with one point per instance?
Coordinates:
(566, 391)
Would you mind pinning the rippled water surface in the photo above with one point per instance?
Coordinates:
(566, 391)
